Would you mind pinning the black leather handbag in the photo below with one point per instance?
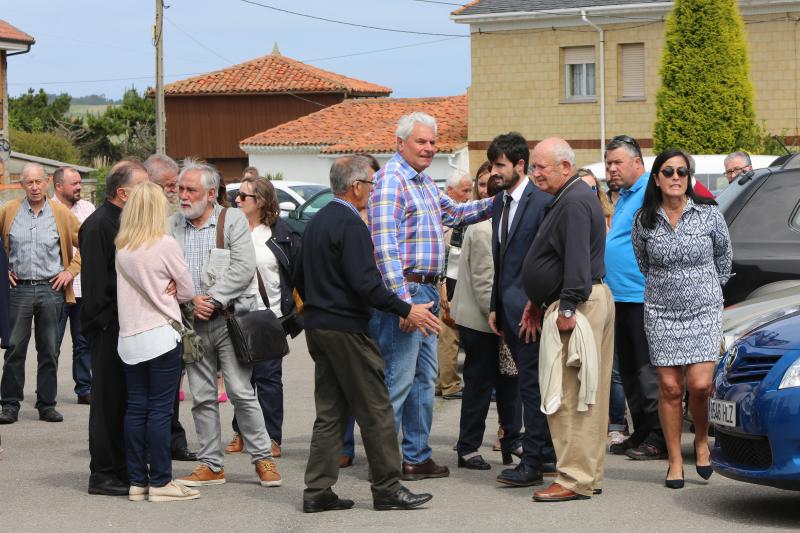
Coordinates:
(258, 335)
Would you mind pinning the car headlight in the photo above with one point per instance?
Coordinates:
(730, 336)
(791, 378)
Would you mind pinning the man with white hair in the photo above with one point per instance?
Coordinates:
(221, 279)
(163, 171)
(563, 273)
(448, 383)
(405, 215)
(735, 164)
(40, 237)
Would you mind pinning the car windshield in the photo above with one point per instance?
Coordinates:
(307, 191)
(317, 203)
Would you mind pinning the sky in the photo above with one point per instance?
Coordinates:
(105, 46)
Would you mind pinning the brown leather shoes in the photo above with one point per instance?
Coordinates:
(428, 469)
(345, 461)
(276, 449)
(236, 445)
(557, 493)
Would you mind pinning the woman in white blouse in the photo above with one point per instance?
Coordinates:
(277, 247)
(147, 261)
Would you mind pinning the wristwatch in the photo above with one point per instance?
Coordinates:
(567, 313)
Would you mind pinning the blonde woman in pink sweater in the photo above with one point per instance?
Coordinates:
(148, 260)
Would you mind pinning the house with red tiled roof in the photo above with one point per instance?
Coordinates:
(13, 41)
(208, 115)
(303, 149)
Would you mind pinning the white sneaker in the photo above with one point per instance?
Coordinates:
(615, 437)
(137, 494)
(172, 492)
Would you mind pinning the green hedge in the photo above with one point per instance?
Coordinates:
(43, 144)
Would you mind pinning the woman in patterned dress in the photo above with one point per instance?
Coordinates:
(684, 251)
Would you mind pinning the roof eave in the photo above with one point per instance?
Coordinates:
(252, 148)
(555, 14)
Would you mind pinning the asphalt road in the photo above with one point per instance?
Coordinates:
(44, 473)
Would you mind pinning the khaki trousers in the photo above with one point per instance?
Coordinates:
(448, 381)
(579, 438)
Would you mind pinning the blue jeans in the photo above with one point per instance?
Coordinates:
(267, 381)
(152, 386)
(81, 357)
(410, 373)
(616, 406)
(349, 444)
(42, 305)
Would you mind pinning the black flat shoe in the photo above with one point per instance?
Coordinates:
(521, 476)
(401, 499)
(108, 487)
(475, 462)
(184, 455)
(329, 501)
(702, 471)
(50, 415)
(673, 483)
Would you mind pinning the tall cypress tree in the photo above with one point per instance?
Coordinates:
(705, 102)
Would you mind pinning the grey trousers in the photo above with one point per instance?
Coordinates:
(348, 379)
(205, 409)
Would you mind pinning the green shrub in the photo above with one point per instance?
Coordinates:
(705, 102)
(47, 145)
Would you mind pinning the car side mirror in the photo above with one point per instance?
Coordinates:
(287, 206)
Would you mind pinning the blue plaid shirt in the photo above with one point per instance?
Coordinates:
(405, 215)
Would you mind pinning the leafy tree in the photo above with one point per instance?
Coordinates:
(705, 102)
(34, 112)
(44, 144)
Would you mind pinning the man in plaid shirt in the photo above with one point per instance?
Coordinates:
(405, 214)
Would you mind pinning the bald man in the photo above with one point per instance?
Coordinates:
(563, 273)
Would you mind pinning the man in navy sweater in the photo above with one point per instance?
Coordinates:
(339, 282)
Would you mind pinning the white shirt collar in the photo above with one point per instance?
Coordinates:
(517, 194)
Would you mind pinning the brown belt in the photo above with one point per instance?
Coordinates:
(425, 279)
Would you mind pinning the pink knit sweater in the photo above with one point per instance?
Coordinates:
(151, 267)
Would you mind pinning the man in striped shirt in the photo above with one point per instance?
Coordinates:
(67, 185)
(406, 214)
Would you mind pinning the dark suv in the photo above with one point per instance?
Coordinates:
(762, 209)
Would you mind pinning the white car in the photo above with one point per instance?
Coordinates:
(291, 194)
(709, 169)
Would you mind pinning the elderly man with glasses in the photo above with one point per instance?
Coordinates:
(736, 164)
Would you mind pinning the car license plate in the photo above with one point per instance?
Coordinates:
(722, 413)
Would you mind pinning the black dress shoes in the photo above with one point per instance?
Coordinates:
(183, 454)
(85, 399)
(107, 486)
(401, 499)
(521, 476)
(329, 501)
(475, 462)
(621, 447)
(646, 452)
(50, 415)
(8, 415)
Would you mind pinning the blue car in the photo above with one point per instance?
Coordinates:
(755, 406)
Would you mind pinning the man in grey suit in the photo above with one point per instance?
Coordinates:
(221, 277)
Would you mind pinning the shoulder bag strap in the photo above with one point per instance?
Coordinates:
(221, 228)
(261, 288)
(171, 321)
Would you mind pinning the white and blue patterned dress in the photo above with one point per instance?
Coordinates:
(685, 269)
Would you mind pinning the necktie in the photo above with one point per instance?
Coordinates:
(504, 224)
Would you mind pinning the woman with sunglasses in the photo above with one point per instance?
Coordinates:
(277, 247)
(683, 249)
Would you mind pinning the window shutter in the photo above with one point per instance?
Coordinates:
(633, 70)
(579, 55)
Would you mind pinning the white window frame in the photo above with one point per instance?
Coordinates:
(580, 61)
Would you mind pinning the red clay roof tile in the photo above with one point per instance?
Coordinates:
(273, 73)
(368, 125)
(10, 33)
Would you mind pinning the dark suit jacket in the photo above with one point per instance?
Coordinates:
(508, 294)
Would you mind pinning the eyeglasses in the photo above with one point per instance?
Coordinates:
(370, 182)
(668, 172)
(630, 141)
(244, 196)
(736, 170)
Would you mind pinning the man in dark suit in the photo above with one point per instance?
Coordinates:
(518, 211)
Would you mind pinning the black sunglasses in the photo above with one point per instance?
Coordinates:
(630, 141)
(668, 172)
(244, 196)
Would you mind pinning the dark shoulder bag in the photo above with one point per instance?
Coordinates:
(258, 335)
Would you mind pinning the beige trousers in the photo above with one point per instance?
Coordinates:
(448, 381)
(579, 438)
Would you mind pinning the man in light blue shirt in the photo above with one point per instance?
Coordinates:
(624, 164)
